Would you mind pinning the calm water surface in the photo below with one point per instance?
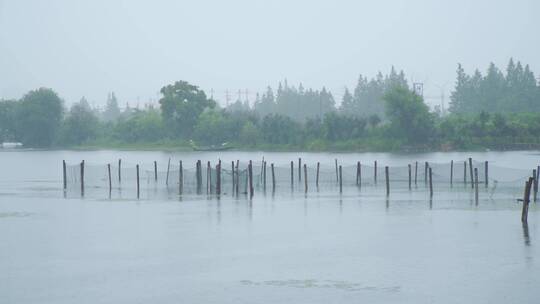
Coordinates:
(322, 247)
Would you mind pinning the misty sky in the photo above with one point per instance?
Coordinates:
(89, 48)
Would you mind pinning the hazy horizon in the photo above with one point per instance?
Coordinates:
(133, 48)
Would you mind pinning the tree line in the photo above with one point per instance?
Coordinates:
(381, 113)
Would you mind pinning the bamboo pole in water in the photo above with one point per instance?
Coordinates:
(82, 178)
(237, 177)
(218, 178)
(486, 175)
(138, 184)
(264, 176)
(292, 175)
(233, 178)
(430, 182)
(305, 179)
(409, 166)
(110, 181)
(359, 175)
(64, 174)
(155, 171)
(465, 173)
(535, 185)
(168, 169)
(451, 173)
(476, 185)
(299, 170)
(180, 178)
(357, 170)
(250, 176)
(471, 172)
(426, 166)
(337, 170)
(375, 173)
(387, 178)
(415, 172)
(273, 178)
(340, 180)
(317, 176)
(119, 170)
(526, 199)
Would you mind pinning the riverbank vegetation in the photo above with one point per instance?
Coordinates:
(498, 110)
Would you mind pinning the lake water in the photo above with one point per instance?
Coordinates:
(321, 247)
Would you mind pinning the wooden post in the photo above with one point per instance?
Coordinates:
(337, 171)
(526, 199)
(208, 178)
(233, 178)
(535, 185)
(410, 174)
(536, 180)
(430, 182)
(465, 173)
(305, 179)
(64, 174)
(264, 176)
(471, 172)
(138, 185)
(375, 173)
(426, 166)
(250, 177)
(359, 175)
(476, 185)
(168, 169)
(340, 180)
(486, 175)
(218, 178)
(292, 175)
(357, 171)
(110, 181)
(119, 170)
(155, 171)
(237, 177)
(317, 176)
(82, 178)
(299, 169)
(273, 177)
(415, 172)
(451, 173)
(387, 178)
(180, 178)
(198, 176)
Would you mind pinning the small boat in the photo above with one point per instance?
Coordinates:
(223, 147)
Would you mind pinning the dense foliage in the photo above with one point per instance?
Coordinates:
(516, 91)
(496, 110)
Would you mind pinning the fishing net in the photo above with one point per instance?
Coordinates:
(215, 177)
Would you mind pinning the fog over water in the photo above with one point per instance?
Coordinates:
(89, 48)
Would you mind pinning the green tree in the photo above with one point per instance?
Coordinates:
(181, 105)
(80, 125)
(141, 126)
(249, 134)
(112, 110)
(409, 116)
(39, 118)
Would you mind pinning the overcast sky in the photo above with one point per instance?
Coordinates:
(89, 48)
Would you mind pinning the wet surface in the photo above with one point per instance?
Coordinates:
(320, 247)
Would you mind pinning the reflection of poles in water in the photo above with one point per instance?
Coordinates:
(526, 237)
